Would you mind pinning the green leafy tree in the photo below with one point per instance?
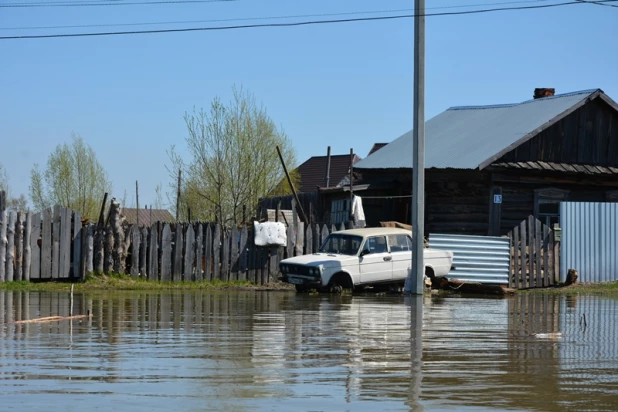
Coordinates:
(232, 160)
(74, 178)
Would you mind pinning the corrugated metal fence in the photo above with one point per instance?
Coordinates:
(589, 240)
(483, 259)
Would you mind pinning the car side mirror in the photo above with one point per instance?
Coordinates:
(364, 252)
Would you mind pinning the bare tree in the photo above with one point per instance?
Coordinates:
(17, 203)
(232, 159)
(74, 178)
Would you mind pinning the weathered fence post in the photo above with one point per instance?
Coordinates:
(99, 253)
(10, 253)
(208, 274)
(108, 260)
(225, 254)
(153, 253)
(166, 253)
(78, 263)
(27, 247)
(216, 252)
(136, 241)
(189, 253)
(177, 255)
(309, 240)
(46, 245)
(199, 253)
(55, 266)
(242, 262)
(3, 244)
(143, 256)
(35, 249)
(234, 253)
(19, 246)
(118, 246)
(89, 249)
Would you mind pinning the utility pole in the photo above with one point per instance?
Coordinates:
(414, 283)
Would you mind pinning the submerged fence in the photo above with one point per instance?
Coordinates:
(54, 244)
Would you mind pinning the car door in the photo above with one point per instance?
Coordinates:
(376, 262)
(401, 251)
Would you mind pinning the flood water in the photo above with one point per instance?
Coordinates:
(255, 351)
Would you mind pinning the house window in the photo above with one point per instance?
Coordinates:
(340, 211)
(547, 205)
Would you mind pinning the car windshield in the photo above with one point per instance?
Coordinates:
(341, 244)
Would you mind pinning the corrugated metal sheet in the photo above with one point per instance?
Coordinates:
(483, 259)
(465, 137)
(589, 240)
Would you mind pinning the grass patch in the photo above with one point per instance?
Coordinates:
(115, 281)
(605, 289)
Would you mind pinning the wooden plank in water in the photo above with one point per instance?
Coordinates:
(46, 245)
(56, 242)
(189, 254)
(166, 253)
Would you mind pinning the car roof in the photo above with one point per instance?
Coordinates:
(374, 231)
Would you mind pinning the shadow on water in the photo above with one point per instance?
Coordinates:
(247, 350)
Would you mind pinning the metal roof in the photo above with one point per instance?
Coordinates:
(472, 137)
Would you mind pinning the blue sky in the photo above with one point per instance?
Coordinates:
(344, 85)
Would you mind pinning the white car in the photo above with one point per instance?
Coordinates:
(362, 257)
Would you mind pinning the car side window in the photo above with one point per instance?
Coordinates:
(376, 244)
(399, 243)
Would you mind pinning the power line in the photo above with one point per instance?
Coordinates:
(598, 3)
(88, 3)
(106, 3)
(260, 18)
(292, 24)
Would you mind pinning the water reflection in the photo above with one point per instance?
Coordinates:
(282, 351)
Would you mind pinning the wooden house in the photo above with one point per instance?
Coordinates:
(489, 167)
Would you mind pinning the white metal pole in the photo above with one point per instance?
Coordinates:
(414, 283)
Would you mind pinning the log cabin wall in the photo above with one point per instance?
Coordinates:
(457, 201)
(587, 136)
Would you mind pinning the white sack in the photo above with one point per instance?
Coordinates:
(269, 234)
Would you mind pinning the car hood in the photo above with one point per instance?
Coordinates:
(321, 259)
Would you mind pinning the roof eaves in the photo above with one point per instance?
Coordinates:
(594, 94)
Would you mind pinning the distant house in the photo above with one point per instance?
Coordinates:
(489, 167)
(313, 172)
(146, 216)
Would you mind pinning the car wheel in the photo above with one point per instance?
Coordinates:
(339, 283)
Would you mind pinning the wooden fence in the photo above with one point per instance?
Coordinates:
(535, 256)
(54, 245)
